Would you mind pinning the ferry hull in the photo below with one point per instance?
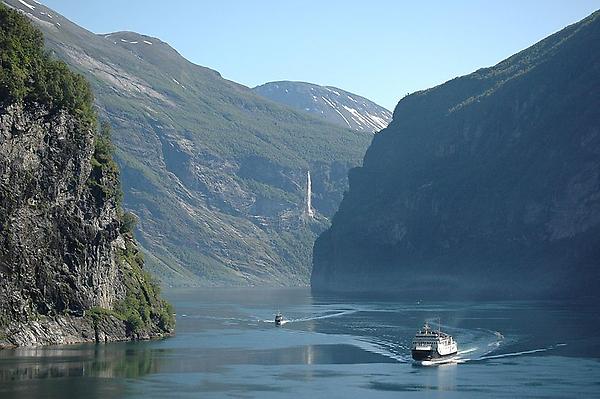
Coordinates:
(430, 355)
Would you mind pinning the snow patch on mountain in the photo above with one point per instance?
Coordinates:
(330, 103)
(27, 5)
(334, 106)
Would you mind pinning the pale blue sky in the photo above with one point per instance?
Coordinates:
(381, 49)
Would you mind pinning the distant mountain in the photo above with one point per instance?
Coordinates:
(217, 175)
(330, 103)
(487, 185)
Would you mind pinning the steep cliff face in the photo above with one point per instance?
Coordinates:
(69, 270)
(486, 185)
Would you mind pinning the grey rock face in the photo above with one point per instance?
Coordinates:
(58, 242)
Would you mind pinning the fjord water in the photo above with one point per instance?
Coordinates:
(227, 346)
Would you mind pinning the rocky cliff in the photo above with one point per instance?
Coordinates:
(487, 185)
(70, 270)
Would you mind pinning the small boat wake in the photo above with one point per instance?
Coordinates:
(310, 318)
(280, 323)
(326, 316)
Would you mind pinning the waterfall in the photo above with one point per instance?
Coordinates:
(309, 209)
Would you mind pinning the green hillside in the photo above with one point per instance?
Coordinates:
(216, 174)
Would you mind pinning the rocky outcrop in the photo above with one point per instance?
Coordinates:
(70, 270)
(48, 211)
(487, 185)
(63, 259)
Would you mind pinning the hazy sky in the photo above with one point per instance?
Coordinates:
(379, 49)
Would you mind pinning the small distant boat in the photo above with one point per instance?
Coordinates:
(278, 319)
(433, 346)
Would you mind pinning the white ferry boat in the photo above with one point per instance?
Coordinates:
(433, 346)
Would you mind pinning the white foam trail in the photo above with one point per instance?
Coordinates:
(273, 321)
(464, 352)
(304, 319)
(327, 316)
(380, 349)
(491, 346)
(513, 354)
(438, 362)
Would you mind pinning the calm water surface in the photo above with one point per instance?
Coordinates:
(228, 346)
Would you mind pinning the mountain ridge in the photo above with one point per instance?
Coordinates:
(333, 104)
